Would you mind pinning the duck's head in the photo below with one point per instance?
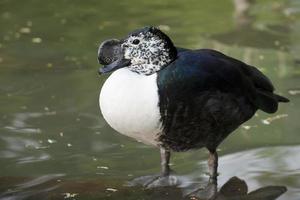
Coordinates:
(144, 51)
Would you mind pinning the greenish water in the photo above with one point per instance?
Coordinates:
(53, 139)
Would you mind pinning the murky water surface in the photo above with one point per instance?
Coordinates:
(54, 144)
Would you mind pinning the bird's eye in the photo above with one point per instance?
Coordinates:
(136, 41)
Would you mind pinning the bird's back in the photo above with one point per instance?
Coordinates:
(205, 95)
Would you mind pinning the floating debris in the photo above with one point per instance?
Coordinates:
(46, 108)
(69, 195)
(294, 92)
(271, 119)
(111, 189)
(69, 145)
(49, 65)
(102, 167)
(247, 127)
(25, 30)
(36, 40)
(61, 134)
(164, 27)
(50, 141)
(42, 147)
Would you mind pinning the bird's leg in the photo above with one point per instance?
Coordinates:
(213, 165)
(163, 178)
(211, 189)
(165, 159)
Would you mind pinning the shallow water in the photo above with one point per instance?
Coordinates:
(54, 144)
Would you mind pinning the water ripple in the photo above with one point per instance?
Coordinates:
(19, 123)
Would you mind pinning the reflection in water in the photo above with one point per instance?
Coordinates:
(54, 187)
(30, 188)
(242, 15)
(19, 124)
(260, 167)
(17, 145)
(248, 34)
(233, 189)
(16, 148)
(237, 189)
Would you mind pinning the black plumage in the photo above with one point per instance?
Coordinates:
(204, 95)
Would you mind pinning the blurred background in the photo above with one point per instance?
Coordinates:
(54, 143)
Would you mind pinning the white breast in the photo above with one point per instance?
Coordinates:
(129, 104)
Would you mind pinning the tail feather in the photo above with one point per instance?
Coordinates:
(268, 101)
(281, 98)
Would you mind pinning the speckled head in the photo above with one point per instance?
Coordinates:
(144, 51)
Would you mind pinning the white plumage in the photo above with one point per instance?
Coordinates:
(129, 103)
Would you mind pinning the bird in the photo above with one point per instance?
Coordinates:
(178, 99)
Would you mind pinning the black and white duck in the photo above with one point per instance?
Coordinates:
(178, 99)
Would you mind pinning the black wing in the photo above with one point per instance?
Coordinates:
(229, 74)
